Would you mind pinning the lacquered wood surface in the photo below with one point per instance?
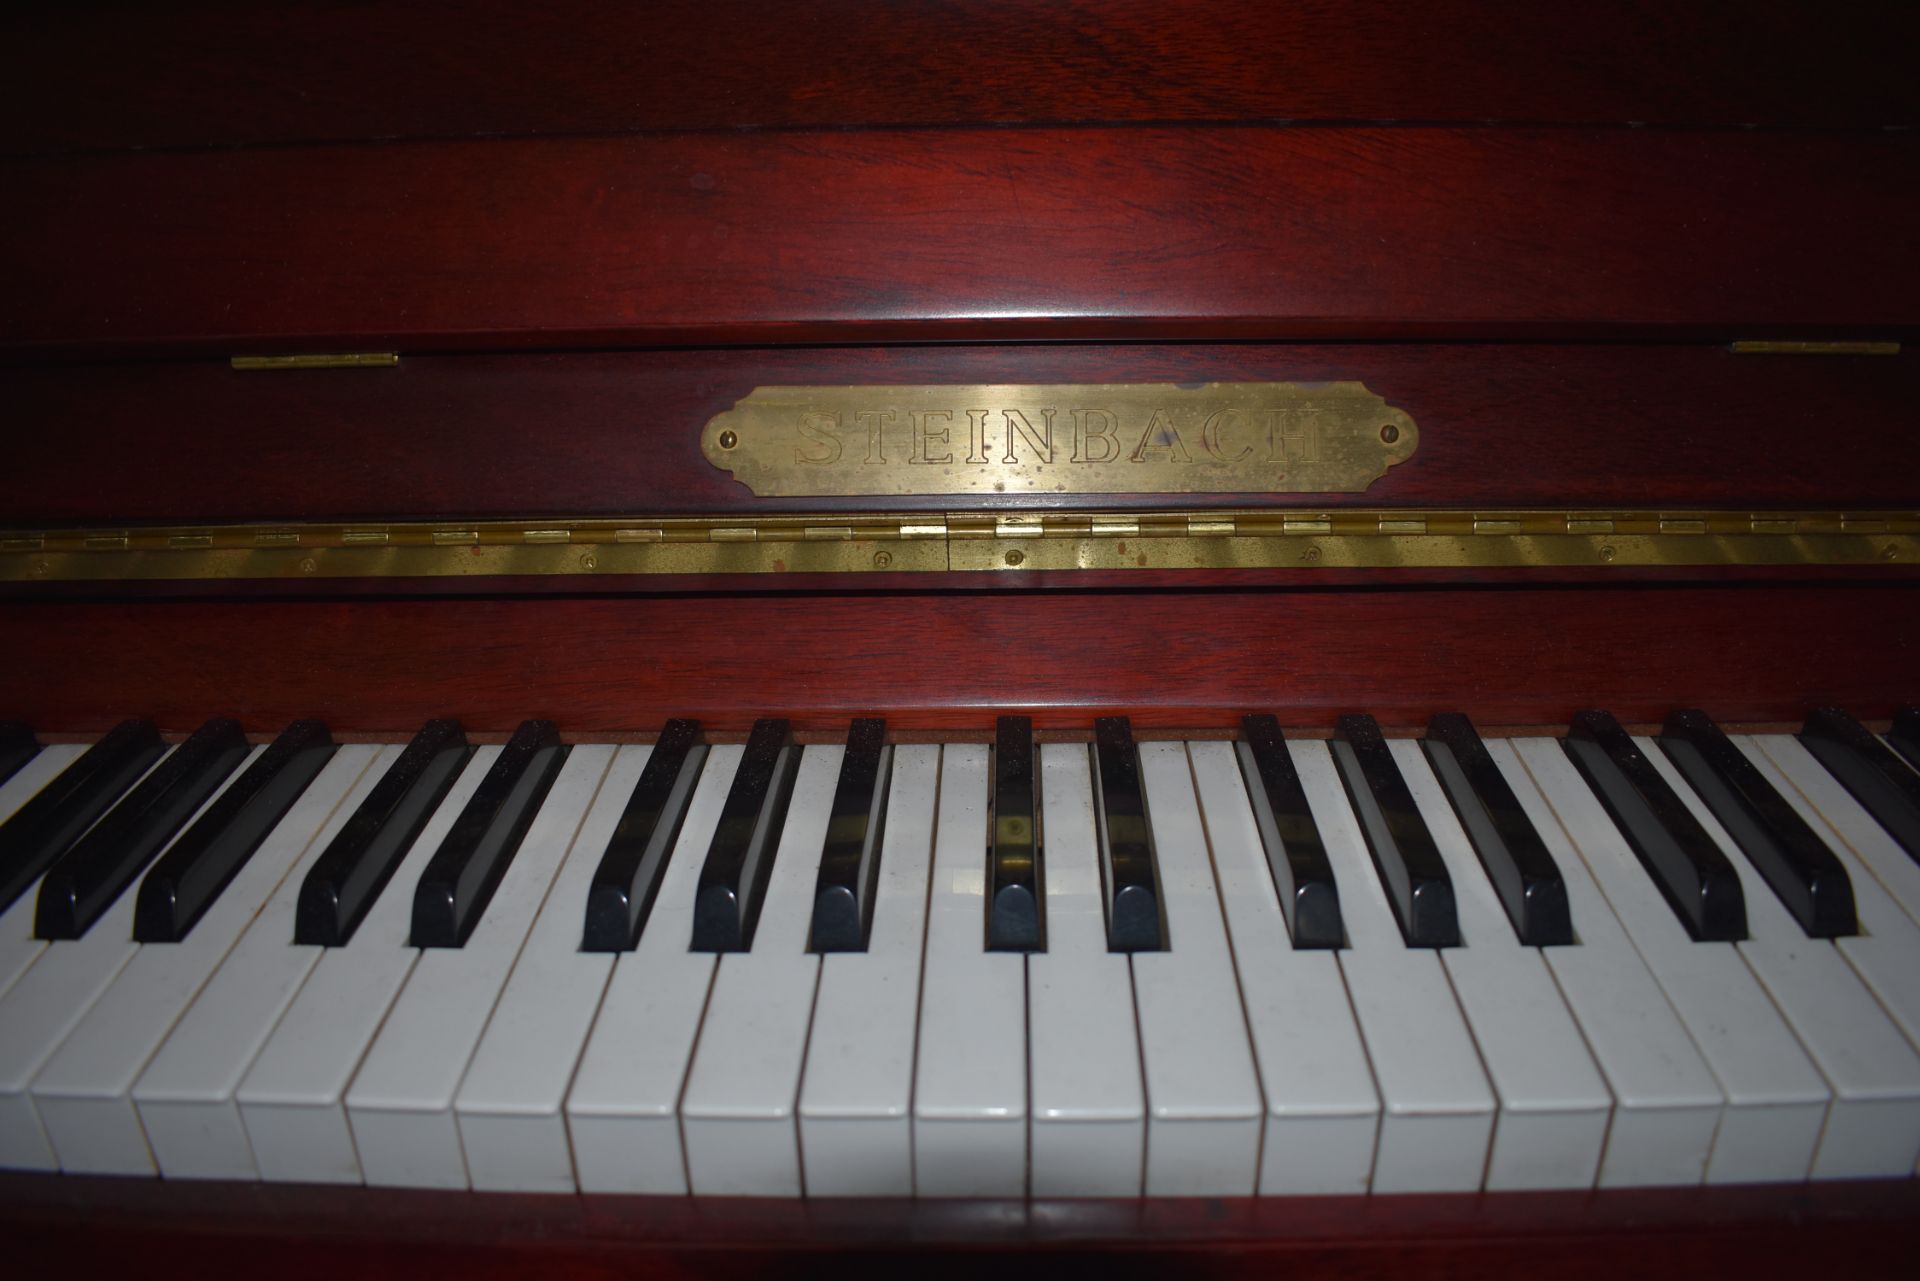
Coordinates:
(694, 174)
(1169, 659)
(1630, 426)
(219, 73)
(153, 1229)
(134, 75)
(1238, 232)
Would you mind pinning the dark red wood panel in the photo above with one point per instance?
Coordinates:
(1023, 233)
(217, 72)
(1171, 659)
(148, 1228)
(608, 433)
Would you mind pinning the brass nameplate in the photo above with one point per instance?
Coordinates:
(1099, 438)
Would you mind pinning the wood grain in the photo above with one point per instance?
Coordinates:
(211, 72)
(941, 661)
(614, 433)
(1244, 233)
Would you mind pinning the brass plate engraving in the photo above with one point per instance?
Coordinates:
(1292, 539)
(1094, 438)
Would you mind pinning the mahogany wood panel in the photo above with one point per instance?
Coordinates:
(943, 661)
(980, 233)
(1302, 576)
(141, 75)
(151, 1229)
(610, 433)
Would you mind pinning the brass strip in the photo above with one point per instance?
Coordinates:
(1271, 538)
(1763, 348)
(338, 360)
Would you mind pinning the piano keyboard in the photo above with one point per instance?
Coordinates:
(1273, 966)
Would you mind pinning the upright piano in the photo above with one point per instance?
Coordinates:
(677, 637)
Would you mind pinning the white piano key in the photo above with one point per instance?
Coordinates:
(1886, 951)
(84, 1093)
(509, 1107)
(1873, 1124)
(856, 1123)
(1438, 1107)
(18, 947)
(1667, 1103)
(292, 1099)
(1776, 1099)
(1089, 1107)
(737, 1115)
(48, 1002)
(1204, 1109)
(186, 1095)
(400, 1104)
(1554, 1107)
(1323, 1114)
(1879, 852)
(622, 1110)
(970, 1075)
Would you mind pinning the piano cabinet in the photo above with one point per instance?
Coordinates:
(1622, 261)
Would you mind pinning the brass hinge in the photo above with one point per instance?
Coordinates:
(1766, 347)
(333, 360)
(939, 542)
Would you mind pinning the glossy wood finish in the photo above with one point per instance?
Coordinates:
(153, 1229)
(129, 75)
(602, 433)
(1234, 232)
(1168, 659)
(696, 173)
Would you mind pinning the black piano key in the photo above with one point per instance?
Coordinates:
(48, 824)
(1410, 865)
(187, 879)
(1867, 768)
(628, 878)
(1905, 736)
(1129, 868)
(1016, 912)
(17, 747)
(1302, 872)
(1694, 876)
(733, 880)
(1803, 872)
(463, 873)
(1517, 861)
(356, 865)
(91, 875)
(850, 858)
